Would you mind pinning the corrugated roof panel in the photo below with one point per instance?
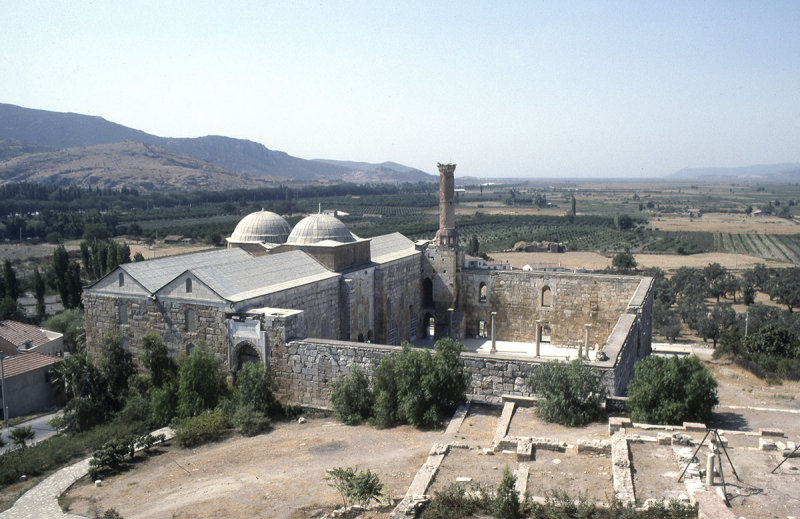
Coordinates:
(390, 246)
(154, 274)
(239, 281)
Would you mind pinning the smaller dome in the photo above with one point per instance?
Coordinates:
(317, 228)
(260, 227)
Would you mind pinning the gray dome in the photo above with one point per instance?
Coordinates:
(260, 227)
(317, 228)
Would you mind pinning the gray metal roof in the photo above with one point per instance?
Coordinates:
(239, 281)
(154, 274)
(389, 247)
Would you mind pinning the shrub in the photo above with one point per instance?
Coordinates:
(253, 389)
(454, 502)
(355, 487)
(163, 403)
(385, 393)
(203, 428)
(351, 398)
(671, 391)
(137, 409)
(570, 394)
(108, 514)
(506, 502)
(201, 383)
(116, 364)
(250, 421)
(156, 360)
(22, 435)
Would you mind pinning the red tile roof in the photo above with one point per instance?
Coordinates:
(25, 362)
(20, 333)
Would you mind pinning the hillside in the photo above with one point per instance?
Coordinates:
(123, 164)
(57, 130)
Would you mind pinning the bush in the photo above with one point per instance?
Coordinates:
(671, 391)
(253, 389)
(201, 383)
(137, 409)
(385, 393)
(59, 450)
(108, 514)
(570, 394)
(156, 360)
(250, 421)
(163, 404)
(351, 398)
(355, 487)
(454, 502)
(207, 427)
(506, 502)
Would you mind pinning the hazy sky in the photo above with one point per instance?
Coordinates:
(538, 89)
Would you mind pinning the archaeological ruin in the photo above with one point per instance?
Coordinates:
(313, 301)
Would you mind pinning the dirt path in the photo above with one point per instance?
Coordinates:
(279, 474)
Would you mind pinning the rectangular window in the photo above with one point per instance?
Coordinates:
(123, 313)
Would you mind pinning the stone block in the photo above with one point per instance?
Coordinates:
(771, 432)
(615, 423)
(694, 427)
(524, 452)
(765, 444)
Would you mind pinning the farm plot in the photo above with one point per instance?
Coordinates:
(785, 248)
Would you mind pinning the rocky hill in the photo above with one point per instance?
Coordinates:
(123, 164)
(40, 129)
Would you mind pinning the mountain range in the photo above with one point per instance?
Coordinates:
(67, 148)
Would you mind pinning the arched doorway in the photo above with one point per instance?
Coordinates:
(429, 326)
(427, 292)
(246, 353)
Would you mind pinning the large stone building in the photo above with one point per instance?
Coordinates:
(314, 301)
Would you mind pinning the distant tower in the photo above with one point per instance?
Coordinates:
(447, 236)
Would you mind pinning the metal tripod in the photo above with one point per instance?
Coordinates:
(718, 441)
(786, 458)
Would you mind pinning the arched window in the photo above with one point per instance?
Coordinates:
(123, 313)
(482, 329)
(189, 348)
(360, 337)
(547, 297)
(482, 293)
(427, 292)
(190, 320)
(121, 278)
(188, 286)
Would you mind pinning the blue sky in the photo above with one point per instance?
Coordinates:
(525, 89)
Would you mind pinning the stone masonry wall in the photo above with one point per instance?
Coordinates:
(577, 299)
(144, 315)
(396, 313)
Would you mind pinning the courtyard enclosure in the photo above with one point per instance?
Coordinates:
(325, 300)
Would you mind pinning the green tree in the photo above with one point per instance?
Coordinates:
(38, 292)
(22, 435)
(473, 248)
(506, 502)
(623, 261)
(138, 257)
(201, 382)
(623, 222)
(253, 388)
(71, 324)
(385, 391)
(352, 398)
(12, 288)
(116, 364)
(156, 360)
(571, 393)
(671, 390)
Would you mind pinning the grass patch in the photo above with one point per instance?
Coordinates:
(62, 449)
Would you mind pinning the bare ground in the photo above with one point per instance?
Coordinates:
(726, 222)
(596, 261)
(279, 474)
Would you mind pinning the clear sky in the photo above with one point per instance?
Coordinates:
(530, 88)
